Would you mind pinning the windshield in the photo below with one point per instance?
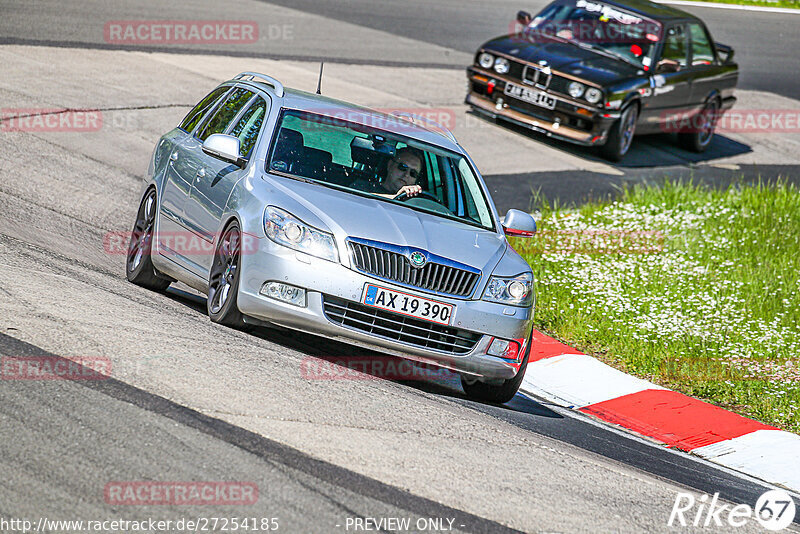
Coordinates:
(603, 27)
(373, 162)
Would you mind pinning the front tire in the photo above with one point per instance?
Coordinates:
(223, 281)
(497, 393)
(620, 136)
(139, 267)
(702, 132)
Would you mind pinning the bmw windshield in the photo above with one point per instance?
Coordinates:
(374, 162)
(608, 29)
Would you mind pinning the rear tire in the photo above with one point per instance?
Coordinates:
(499, 393)
(139, 267)
(223, 280)
(703, 128)
(620, 136)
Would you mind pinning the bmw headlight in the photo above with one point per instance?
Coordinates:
(575, 89)
(289, 231)
(486, 60)
(517, 291)
(593, 95)
(501, 65)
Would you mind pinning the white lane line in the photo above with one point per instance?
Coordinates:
(717, 5)
(772, 455)
(578, 380)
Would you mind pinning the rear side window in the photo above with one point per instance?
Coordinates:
(249, 125)
(702, 53)
(225, 113)
(675, 47)
(194, 116)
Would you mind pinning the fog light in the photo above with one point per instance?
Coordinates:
(285, 293)
(504, 348)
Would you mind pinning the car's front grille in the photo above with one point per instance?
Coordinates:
(391, 262)
(398, 327)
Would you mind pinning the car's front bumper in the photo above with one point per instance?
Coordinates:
(569, 121)
(321, 279)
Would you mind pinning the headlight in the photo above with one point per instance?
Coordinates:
(289, 231)
(486, 60)
(501, 65)
(593, 95)
(575, 89)
(517, 291)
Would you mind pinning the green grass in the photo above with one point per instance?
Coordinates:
(714, 314)
(762, 3)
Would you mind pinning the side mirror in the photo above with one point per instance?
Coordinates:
(224, 147)
(667, 65)
(519, 224)
(524, 18)
(724, 52)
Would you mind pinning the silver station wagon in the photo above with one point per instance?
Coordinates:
(295, 210)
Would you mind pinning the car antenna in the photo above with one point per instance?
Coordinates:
(319, 83)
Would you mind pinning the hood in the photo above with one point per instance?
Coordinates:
(565, 57)
(349, 215)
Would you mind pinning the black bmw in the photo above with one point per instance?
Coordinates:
(596, 72)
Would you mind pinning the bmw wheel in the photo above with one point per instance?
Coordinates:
(620, 136)
(139, 264)
(703, 128)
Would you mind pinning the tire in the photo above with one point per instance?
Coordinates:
(500, 393)
(223, 280)
(620, 136)
(702, 132)
(138, 262)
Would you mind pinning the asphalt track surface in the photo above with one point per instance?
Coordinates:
(192, 401)
(444, 35)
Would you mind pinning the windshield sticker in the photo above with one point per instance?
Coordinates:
(608, 12)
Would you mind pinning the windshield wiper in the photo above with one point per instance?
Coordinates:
(607, 53)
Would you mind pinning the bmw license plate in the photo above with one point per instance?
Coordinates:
(532, 96)
(407, 304)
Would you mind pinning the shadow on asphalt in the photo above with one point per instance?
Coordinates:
(344, 359)
(654, 150)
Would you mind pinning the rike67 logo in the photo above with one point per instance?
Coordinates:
(775, 510)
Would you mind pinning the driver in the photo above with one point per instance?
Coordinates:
(402, 174)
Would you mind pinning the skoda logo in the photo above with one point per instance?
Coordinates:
(417, 258)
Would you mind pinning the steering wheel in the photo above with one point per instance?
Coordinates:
(403, 197)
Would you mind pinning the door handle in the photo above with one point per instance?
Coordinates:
(201, 174)
(173, 156)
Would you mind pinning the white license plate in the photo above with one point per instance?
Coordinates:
(407, 304)
(533, 96)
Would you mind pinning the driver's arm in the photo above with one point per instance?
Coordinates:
(410, 190)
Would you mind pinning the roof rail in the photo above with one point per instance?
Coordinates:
(252, 76)
(442, 129)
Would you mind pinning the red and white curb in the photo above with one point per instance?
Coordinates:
(569, 378)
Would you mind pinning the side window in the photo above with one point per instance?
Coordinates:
(194, 116)
(249, 126)
(225, 113)
(702, 53)
(675, 48)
